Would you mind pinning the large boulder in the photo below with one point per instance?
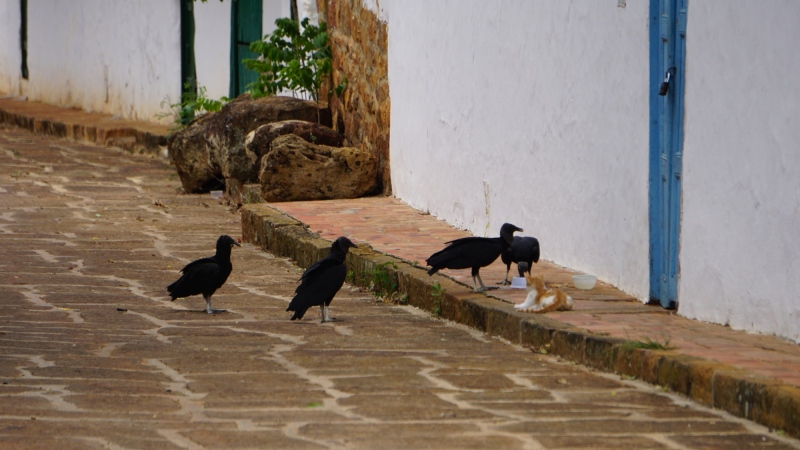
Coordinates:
(193, 157)
(294, 169)
(259, 140)
(211, 149)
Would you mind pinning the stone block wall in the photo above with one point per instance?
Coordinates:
(359, 46)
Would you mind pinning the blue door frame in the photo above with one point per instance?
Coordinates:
(667, 63)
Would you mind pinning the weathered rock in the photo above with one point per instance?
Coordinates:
(295, 169)
(258, 140)
(241, 116)
(218, 139)
(193, 157)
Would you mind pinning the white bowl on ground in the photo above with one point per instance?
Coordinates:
(584, 281)
(518, 283)
(216, 195)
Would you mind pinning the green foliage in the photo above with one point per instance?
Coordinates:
(382, 281)
(437, 292)
(291, 59)
(191, 105)
(250, 197)
(647, 344)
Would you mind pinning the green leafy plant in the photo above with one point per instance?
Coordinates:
(191, 105)
(382, 282)
(291, 59)
(295, 57)
(437, 292)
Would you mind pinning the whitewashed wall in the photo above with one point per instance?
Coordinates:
(530, 112)
(10, 55)
(740, 247)
(535, 112)
(212, 46)
(120, 58)
(91, 55)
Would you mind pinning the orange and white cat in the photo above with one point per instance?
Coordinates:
(541, 299)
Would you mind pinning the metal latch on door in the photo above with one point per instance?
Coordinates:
(664, 89)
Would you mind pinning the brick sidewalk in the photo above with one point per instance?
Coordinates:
(101, 129)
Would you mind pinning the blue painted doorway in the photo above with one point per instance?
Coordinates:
(667, 62)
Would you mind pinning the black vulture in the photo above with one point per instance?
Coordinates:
(524, 249)
(205, 275)
(472, 252)
(321, 281)
(522, 267)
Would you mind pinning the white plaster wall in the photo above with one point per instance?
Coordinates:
(530, 112)
(740, 245)
(10, 53)
(276, 9)
(91, 54)
(212, 46)
(113, 57)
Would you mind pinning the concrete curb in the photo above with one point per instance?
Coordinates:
(100, 129)
(739, 392)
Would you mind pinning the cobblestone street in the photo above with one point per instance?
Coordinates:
(94, 355)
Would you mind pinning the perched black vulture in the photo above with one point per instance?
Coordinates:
(321, 281)
(472, 252)
(206, 275)
(524, 249)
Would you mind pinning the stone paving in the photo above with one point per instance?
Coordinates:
(94, 355)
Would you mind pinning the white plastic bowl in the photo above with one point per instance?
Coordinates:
(584, 281)
(216, 195)
(518, 283)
